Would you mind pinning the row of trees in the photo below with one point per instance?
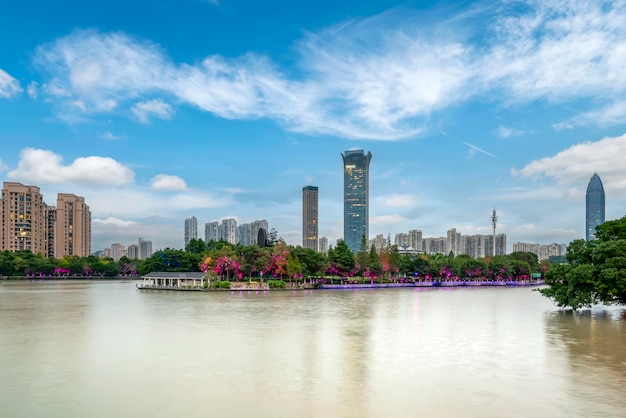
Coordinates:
(234, 262)
(595, 272)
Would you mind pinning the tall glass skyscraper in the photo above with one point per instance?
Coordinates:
(309, 217)
(356, 182)
(595, 206)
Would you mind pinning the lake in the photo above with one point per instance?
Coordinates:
(106, 349)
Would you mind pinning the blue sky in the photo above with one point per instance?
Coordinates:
(155, 111)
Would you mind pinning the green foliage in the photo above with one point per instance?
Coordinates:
(342, 257)
(596, 272)
(224, 284)
(276, 284)
(196, 246)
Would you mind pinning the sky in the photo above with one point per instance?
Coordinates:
(155, 111)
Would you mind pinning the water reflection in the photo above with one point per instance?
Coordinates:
(106, 349)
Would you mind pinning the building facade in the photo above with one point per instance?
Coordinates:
(191, 229)
(145, 248)
(310, 217)
(595, 206)
(355, 197)
(23, 224)
(73, 231)
(132, 252)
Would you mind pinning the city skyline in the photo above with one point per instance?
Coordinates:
(229, 112)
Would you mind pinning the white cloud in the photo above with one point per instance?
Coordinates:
(612, 114)
(576, 164)
(397, 200)
(110, 136)
(9, 86)
(386, 219)
(113, 221)
(32, 89)
(45, 167)
(152, 108)
(3, 166)
(167, 182)
(504, 132)
(378, 78)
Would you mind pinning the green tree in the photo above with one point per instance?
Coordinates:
(362, 257)
(596, 272)
(342, 257)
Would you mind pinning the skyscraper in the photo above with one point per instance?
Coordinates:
(595, 206)
(355, 197)
(74, 235)
(191, 229)
(23, 223)
(309, 217)
(145, 248)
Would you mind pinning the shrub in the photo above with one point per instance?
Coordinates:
(221, 284)
(276, 284)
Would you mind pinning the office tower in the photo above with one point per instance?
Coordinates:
(73, 231)
(594, 206)
(309, 217)
(355, 197)
(132, 252)
(23, 224)
(191, 229)
(145, 248)
(323, 247)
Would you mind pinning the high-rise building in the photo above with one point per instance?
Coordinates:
(191, 229)
(73, 232)
(256, 226)
(415, 239)
(145, 248)
(355, 197)
(595, 207)
(323, 245)
(117, 251)
(50, 218)
(211, 232)
(309, 217)
(244, 234)
(23, 224)
(229, 230)
(132, 252)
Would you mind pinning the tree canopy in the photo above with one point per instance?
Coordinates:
(596, 270)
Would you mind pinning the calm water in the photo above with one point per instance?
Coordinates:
(108, 350)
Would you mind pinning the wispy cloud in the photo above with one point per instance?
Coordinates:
(9, 86)
(504, 132)
(474, 149)
(397, 200)
(384, 220)
(576, 164)
(377, 78)
(110, 136)
(153, 108)
(612, 114)
(46, 167)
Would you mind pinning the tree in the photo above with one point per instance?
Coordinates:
(343, 257)
(196, 246)
(362, 257)
(596, 272)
